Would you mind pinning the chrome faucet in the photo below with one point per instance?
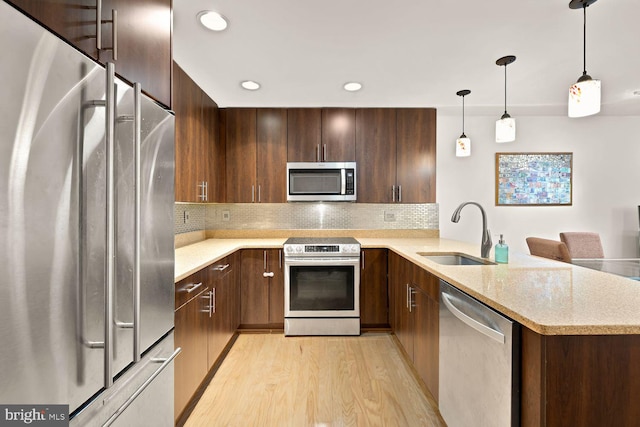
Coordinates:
(486, 236)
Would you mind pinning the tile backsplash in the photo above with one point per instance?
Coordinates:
(331, 216)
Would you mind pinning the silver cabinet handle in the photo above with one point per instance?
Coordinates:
(269, 274)
(280, 258)
(220, 267)
(400, 193)
(483, 329)
(129, 401)
(253, 194)
(362, 252)
(259, 193)
(393, 193)
(407, 295)
(324, 154)
(213, 302)
(98, 25)
(114, 30)
(264, 260)
(412, 292)
(110, 125)
(194, 287)
(318, 153)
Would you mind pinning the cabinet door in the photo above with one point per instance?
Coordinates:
(276, 288)
(338, 135)
(416, 154)
(271, 167)
(254, 295)
(304, 134)
(373, 288)
(241, 155)
(425, 339)
(220, 311)
(191, 164)
(400, 278)
(144, 45)
(191, 329)
(215, 150)
(376, 154)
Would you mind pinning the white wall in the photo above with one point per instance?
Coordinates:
(606, 180)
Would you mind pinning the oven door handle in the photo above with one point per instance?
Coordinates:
(322, 261)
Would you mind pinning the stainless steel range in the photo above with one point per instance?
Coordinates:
(322, 286)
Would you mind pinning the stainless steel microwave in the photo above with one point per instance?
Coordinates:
(322, 181)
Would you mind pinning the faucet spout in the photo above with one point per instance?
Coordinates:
(486, 244)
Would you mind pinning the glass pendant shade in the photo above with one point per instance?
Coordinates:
(584, 98)
(505, 129)
(463, 146)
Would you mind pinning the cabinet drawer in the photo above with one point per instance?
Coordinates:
(189, 287)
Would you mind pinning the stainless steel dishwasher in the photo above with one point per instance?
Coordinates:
(479, 363)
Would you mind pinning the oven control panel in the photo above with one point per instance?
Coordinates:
(322, 249)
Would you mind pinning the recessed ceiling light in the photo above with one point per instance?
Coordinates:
(212, 20)
(250, 85)
(352, 86)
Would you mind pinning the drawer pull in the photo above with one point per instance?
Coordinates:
(194, 287)
(220, 267)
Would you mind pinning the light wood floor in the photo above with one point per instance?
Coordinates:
(272, 380)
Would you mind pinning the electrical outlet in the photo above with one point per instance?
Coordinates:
(185, 217)
(389, 216)
(226, 215)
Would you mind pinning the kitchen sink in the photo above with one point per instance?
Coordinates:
(454, 258)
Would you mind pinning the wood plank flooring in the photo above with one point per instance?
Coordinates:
(272, 380)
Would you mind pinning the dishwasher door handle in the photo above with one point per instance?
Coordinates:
(483, 329)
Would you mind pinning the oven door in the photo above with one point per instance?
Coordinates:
(322, 287)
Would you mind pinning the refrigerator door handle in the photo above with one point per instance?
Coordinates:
(137, 142)
(165, 362)
(110, 217)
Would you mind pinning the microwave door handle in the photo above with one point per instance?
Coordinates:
(343, 187)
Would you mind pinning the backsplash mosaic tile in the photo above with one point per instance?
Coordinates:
(331, 216)
(195, 217)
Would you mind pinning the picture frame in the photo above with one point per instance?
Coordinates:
(534, 179)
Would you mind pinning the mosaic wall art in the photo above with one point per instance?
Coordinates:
(534, 179)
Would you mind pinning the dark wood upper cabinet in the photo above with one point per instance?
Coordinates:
(256, 141)
(416, 154)
(304, 134)
(144, 36)
(376, 154)
(215, 151)
(271, 159)
(191, 165)
(241, 155)
(338, 135)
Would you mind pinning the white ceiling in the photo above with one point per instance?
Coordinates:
(411, 53)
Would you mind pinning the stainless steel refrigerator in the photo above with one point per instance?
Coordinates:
(86, 229)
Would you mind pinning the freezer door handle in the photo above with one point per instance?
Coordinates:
(165, 362)
(137, 142)
(483, 329)
(110, 219)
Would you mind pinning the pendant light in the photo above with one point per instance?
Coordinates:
(584, 95)
(463, 144)
(506, 125)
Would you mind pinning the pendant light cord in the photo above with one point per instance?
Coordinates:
(463, 114)
(584, 41)
(505, 88)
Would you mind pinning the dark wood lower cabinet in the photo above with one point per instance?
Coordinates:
(191, 329)
(262, 288)
(415, 317)
(374, 301)
(580, 380)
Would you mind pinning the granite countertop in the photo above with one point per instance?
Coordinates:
(548, 297)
